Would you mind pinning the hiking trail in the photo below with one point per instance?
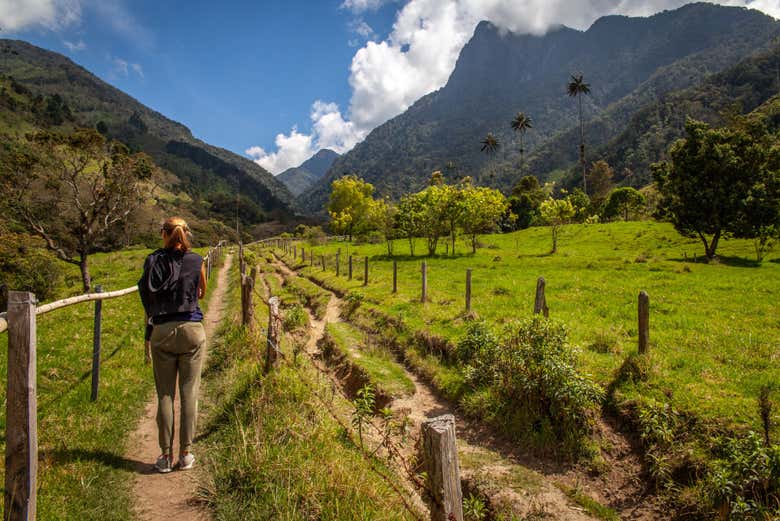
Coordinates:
(163, 497)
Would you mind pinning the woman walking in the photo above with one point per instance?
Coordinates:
(174, 279)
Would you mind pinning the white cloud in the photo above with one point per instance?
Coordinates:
(291, 151)
(17, 15)
(120, 66)
(137, 69)
(359, 6)
(75, 47)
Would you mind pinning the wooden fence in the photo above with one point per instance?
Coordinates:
(21, 449)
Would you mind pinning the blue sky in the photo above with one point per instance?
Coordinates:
(279, 80)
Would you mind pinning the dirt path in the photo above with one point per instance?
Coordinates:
(165, 497)
(510, 485)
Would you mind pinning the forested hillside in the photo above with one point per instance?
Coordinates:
(630, 63)
(300, 178)
(208, 175)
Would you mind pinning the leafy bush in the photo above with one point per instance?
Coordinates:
(744, 483)
(478, 351)
(26, 267)
(537, 374)
(294, 318)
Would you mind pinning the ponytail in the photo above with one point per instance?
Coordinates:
(177, 233)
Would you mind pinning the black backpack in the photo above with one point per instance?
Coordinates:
(159, 286)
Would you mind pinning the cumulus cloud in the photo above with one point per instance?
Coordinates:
(17, 15)
(292, 150)
(420, 52)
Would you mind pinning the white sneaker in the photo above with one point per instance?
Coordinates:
(164, 464)
(186, 461)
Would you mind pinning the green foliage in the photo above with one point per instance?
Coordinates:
(481, 210)
(350, 205)
(365, 403)
(720, 181)
(474, 508)
(556, 213)
(25, 265)
(623, 202)
(295, 318)
(744, 481)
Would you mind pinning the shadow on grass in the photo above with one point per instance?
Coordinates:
(109, 459)
(734, 262)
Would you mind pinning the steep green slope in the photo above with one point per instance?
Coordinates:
(298, 179)
(629, 62)
(208, 174)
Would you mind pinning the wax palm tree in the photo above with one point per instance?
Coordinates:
(490, 145)
(521, 123)
(577, 88)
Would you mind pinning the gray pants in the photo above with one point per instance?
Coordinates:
(177, 350)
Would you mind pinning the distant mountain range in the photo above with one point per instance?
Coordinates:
(634, 66)
(299, 179)
(208, 175)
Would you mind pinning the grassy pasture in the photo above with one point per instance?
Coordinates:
(715, 328)
(82, 470)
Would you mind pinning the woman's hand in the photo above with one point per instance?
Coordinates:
(148, 352)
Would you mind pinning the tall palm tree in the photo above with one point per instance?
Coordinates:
(521, 123)
(490, 145)
(577, 88)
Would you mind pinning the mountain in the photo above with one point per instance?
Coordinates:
(298, 179)
(629, 63)
(208, 175)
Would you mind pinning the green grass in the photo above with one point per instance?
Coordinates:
(384, 374)
(590, 505)
(273, 451)
(715, 328)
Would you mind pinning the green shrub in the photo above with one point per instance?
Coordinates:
(538, 377)
(294, 318)
(478, 351)
(744, 482)
(26, 267)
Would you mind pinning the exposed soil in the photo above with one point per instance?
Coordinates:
(165, 497)
(486, 467)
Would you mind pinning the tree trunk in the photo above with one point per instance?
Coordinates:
(84, 267)
(474, 243)
(411, 246)
(582, 149)
(710, 246)
(554, 239)
(453, 242)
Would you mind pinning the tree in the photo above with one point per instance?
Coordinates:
(622, 201)
(409, 219)
(482, 210)
(526, 197)
(434, 203)
(521, 124)
(600, 182)
(490, 144)
(706, 187)
(383, 216)
(350, 204)
(73, 191)
(577, 88)
(760, 220)
(556, 213)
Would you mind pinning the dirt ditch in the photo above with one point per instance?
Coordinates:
(488, 469)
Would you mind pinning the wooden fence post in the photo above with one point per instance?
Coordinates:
(468, 290)
(96, 345)
(21, 431)
(311, 258)
(440, 456)
(395, 276)
(540, 303)
(208, 266)
(338, 262)
(295, 252)
(247, 309)
(273, 334)
(644, 322)
(365, 271)
(322, 258)
(350, 267)
(424, 295)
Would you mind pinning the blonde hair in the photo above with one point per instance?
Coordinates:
(177, 233)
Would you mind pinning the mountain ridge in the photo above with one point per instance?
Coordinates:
(298, 179)
(499, 73)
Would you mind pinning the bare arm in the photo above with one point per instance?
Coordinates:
(202, 284)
